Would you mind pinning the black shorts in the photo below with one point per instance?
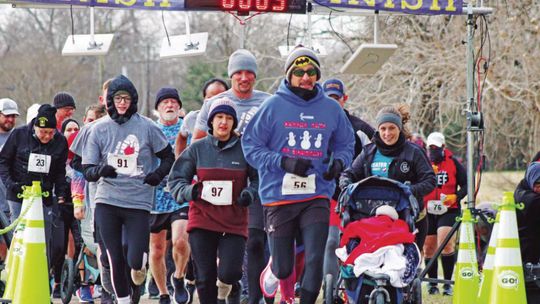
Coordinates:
(163, 221)
(444, 220)
(285, 220)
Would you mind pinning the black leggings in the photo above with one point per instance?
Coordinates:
(136, 223)
(206, 247)
(283, 255)
(256, 262)
(63, 223)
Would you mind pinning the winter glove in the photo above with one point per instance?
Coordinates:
(244, 199)
(196, 191)
(450, 199)
(152, 179)
(296, 166)
(107, 171)
(17, 187)
(334, 169)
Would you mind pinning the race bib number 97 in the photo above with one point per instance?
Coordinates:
(124, 164)
(217, 192)
(39, 163)
(294, 184)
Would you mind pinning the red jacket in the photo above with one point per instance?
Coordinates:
(448, 180)
(374, 233)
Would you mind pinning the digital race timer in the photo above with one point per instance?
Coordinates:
(270, 6)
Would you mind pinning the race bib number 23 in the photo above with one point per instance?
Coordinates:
(39, 163)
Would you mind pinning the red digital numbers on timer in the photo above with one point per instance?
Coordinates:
(255, 5)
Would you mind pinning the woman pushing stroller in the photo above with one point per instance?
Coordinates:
(391, 155)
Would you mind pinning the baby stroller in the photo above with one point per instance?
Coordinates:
(385, 239)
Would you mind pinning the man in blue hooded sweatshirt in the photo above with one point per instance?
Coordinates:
(299, 141)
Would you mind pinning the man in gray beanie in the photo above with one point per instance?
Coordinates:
(242, 71)
(300, 140)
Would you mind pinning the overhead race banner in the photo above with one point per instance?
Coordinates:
(272, 6)
(417, 7)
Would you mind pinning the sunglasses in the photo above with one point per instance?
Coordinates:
(300, 73)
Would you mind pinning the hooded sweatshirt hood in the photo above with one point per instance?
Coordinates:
(533, 174)
(121, 83)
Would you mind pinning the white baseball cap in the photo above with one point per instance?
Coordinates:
(8, 107)
(435, 139)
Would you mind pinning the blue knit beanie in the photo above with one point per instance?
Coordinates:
(222, 105)
(533, 174)
(242, 60)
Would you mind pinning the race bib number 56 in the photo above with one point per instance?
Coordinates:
(294, 184)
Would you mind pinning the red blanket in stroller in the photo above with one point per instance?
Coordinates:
(374, 233)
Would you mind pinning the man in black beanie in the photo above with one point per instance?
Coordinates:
(65, 106)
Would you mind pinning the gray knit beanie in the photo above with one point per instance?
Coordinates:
(299, 57)
(242, 60)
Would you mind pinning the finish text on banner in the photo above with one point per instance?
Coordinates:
(418, 7)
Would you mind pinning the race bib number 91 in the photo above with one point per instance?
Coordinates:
(217, 192)
(39, 163)
(294, 184)
(124, 164)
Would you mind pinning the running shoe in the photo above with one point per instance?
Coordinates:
(85, 294)
(180, 294)
(447, 290)
(191, 290)
(153, 291)
(164, 299)
(433, 289)
(268, 281)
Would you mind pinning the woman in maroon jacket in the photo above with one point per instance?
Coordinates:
(218, 216)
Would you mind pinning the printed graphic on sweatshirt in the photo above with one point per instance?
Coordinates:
(124, 158)
(245, 118)
(305, 137)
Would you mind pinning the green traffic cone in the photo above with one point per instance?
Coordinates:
(466, 270)
(508, 283)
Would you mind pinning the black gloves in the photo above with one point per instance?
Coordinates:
(296, 166)
(244, 199)
(17, 187)
(196, 190)
(334, 169)
(107, 171)
(92, 173)
(152, 179)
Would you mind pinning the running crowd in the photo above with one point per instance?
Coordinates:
(230, 202)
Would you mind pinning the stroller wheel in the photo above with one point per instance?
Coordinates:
(67, 281)
(328, 285)
(416, 292)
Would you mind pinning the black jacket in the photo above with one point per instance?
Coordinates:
(529, 229)
(409, 165)
(14, 163)
(359, 125)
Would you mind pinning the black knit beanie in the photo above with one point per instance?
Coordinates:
(63, 99)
